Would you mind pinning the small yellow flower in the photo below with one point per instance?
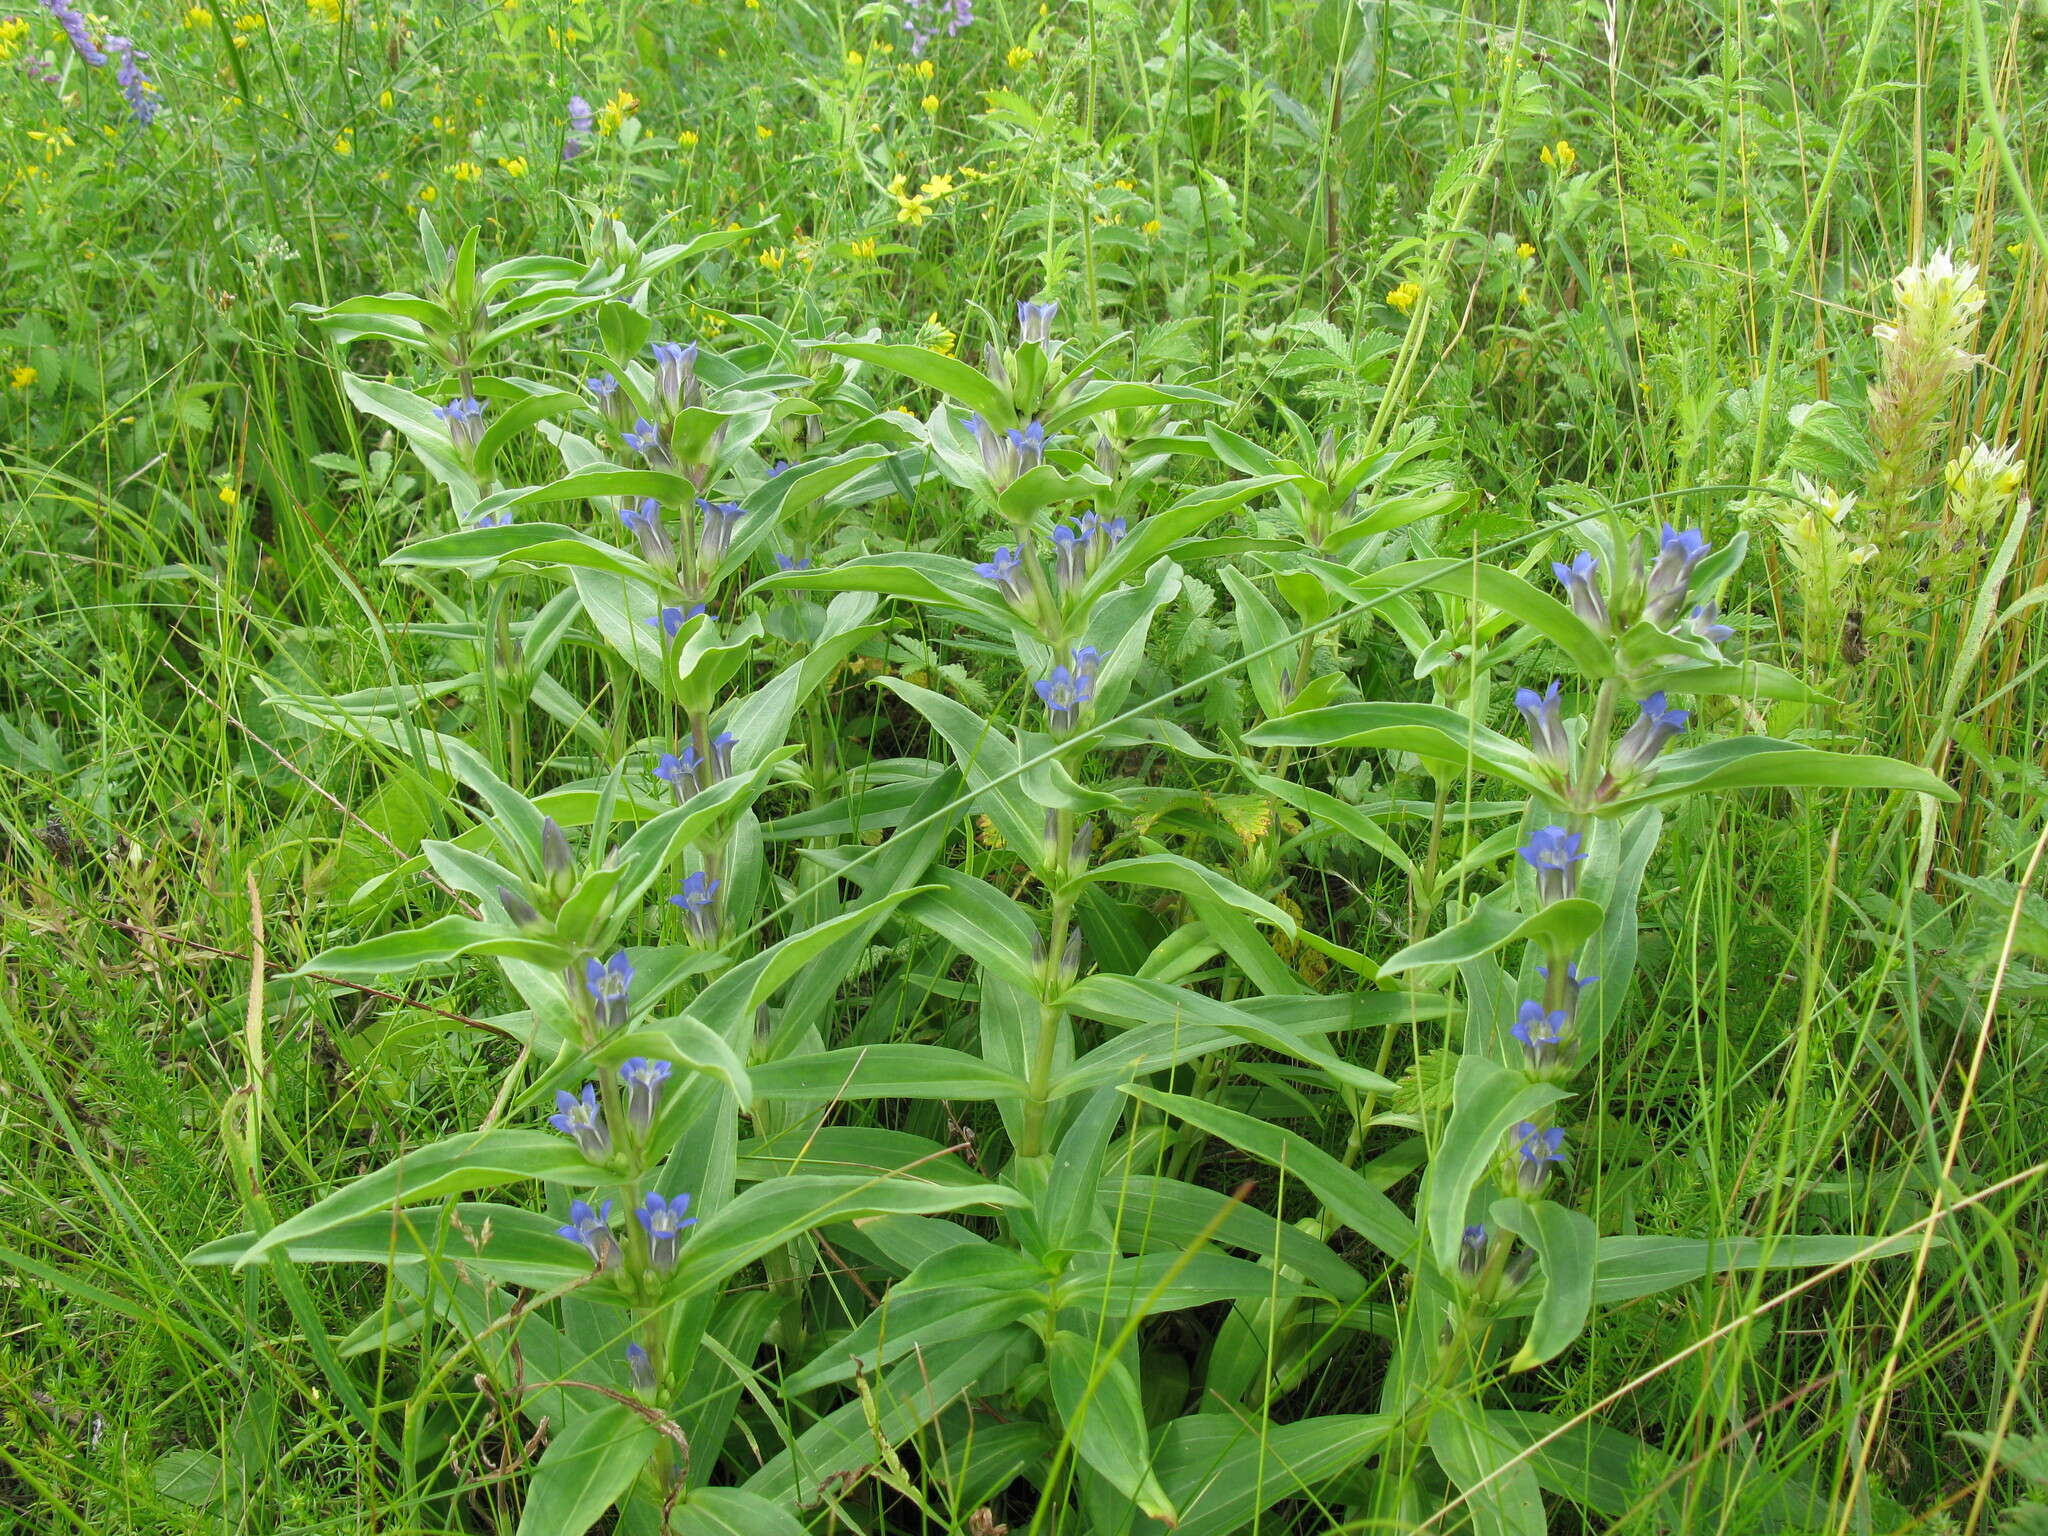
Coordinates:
(467, 170)
(1404, 296)
(773, 258)
(22, 376)
(328, 11)
(516, 166)
(248, 22)
(937, 187)
(1676, 248)
(1150, 227)
(930, 105)
(613, 114)
(1019, 58)
(1522, 297)
(1561, 155)
(1525, 250)
(885, 48)
(862, 250)
(925, 69)
(2015, 248)
(428, 193)
(229, 496)
(687, 138)
(198, 17)
(937, 336)
(763, 131)
(1124, 186)
(969, 173)
(854, 59)
(384, 99)
(344, 142)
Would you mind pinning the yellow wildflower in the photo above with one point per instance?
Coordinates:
(328, 11)
(516, 166)
(384, 99)
(936, 336)
(969, 173)
(1124, 186)
(885, 47)
(344, 142)
(1522, 296)
(1151, 227)
(428, 193)
(22, 376)
(862, 250)
(763, 131)
(614, 113)
(930, 105)
(1525, 250)
(1561, 155)
(853, 58)
(937, 187)
(1677, 248)
(229, 496)
(198, 17)
(1019, 58)
(248, 21)
(2015, 248)
(773, 258)
(1404, 296)
(467, 170)
(687, 138)
(924, 69)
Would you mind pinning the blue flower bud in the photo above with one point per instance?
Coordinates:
(663, 1220)
(1034, 321)
(651, 443)
(1065, 695)
(671, 620)
(1678, 553)
(613, 404)
(1582, 588)
(1535, 1150)
(1546, 725)
(1006, 569)
(592, 1228)
(641, 1365)
(1654, 727)
(643, 1077)
(645, 519)
(675, 375)
(610, 984)
(464, 419)
(720, 518)
(1542, 1035)
(699, 901)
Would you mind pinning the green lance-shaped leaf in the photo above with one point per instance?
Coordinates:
(985, 754)
(1630, 1267)
(1133, 1000)
(1427, 730)
(424, 434)
(1224, 1472)
(902, 1070)
(942, 581)
(731, 1512)
(1761, 762)
(1104, 1417)
(587, 1467)
(981, 922)
(1501, 1496)
(1100, 395)
(444, 939)
(474, 1160)
(495, 1241)
(949, 375)
(1350, 1197)
(1486, 1099)
(1567, 1244)
(1495, 923)
(1161, 532)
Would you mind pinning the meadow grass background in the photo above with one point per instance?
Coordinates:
(1682, 226)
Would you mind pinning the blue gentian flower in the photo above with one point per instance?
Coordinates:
(582, 1121)
(1065, 695)
(74, 26)
(645, 519)
(720, 517)
(610, 986)
(593, 1229)
(464, 419)
(651, 443)
(1034, 321)
(1541, 1033)
(1701, 623)
(1574, 984)
(643, 1077)
(699, 900)
(1554, 854)
(1546, 725)
(671, 620)
(493, 519)
(557, 861)
(779, 467)
(1678, 553)
(1535, 1150)
(1654, 727)
(1006, 569)
(1070, 555)
(682, 771)
(721, 754)
(1582, 589)
(675, 375)
(791, 562)
(641, 1366)
(612, 401)
(1028, 444)
(663, 1221)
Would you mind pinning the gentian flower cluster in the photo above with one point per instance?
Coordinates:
(688, 771)
(699, 902)
(1068, 692)
(1008, 454)
(464, 419)
(610, 984)
(1079, 549)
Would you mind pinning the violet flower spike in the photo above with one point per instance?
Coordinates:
(135, 85)
(1554, 854)
(582, 1121)
(74, 26)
